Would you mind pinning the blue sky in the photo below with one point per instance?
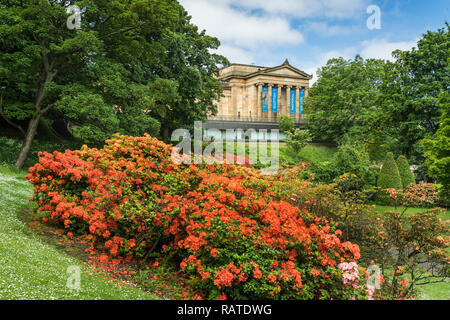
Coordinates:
(309, 32)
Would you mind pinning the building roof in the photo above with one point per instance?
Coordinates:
(254, 71)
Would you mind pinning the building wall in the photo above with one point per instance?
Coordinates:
(241, 98)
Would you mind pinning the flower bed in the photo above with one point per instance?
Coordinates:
(227, 227)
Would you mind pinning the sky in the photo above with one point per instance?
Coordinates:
(309, 32)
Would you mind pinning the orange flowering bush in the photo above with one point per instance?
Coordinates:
(230, 230)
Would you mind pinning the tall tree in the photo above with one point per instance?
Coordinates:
(411, 90)
(112, 75)
(344, 99)
(437, 148)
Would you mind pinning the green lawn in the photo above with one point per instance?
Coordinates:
(445, 216)
(31, 269)
(313, 153)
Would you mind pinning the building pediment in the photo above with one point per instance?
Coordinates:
(248, 72)
(286, 71)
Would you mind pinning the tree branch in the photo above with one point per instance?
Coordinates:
(122, 31)
(9, 121)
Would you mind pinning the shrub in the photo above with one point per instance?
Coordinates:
(349, 159)
(406, 174)
(421, 195)
(407, 245)
(324, 171)
(10, 149)
(389, 175)
(297, 140)
(229, 229)
(349, 182)
(286, 124)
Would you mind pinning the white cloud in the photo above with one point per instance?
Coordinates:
(382, 49)
(326, 29)
(235, 54)
(305, 8)
(241, 28)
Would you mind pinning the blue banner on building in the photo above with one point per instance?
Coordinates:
(301, 100)
(293, 95)
(274, 100)
(265, 99)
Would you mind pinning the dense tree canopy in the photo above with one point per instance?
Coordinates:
(437, 148)
(388, 106)
(132, 67)
(411, 92)
(344, 98)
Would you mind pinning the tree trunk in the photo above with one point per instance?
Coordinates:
(27, 142)
(166, 134)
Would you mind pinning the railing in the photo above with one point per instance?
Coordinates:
(296, 119)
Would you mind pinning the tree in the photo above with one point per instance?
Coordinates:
(286, 124)
(437, 148)
(389, 175)
(351, 159)
(344, 98)
(411, 90)
(133, 66)
(297, 140)
(404, 169)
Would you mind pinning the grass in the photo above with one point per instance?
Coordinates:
(409, 211)
(31, 269)
(317, 153)
(313, 153)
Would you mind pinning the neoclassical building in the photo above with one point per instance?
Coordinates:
(256, 96)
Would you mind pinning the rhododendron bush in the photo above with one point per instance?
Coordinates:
(229, 229)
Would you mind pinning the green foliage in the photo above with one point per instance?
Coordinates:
(10, 148)
(286, 124)
(405, 172)
(411, 90)
(388, 106)
(297, 140)
(351, 159)
(344, 98)
(35, 269)
(134, 66)
(406, 244)
(389, 175)
(437, 149)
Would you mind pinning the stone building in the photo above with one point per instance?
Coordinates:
(255, 97)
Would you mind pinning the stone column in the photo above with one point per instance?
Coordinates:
(233, 111)
(280, 101)
(306, 94)
(259, 101)
(297, 104)
(302, 116)
(288, 101)
(270, 101)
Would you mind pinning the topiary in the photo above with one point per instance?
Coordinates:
(406, 174)
(389, 174)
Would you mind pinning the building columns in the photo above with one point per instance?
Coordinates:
(259, 101)
(288, 101)
(297, 104)
(233, 100)
(270, 101)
